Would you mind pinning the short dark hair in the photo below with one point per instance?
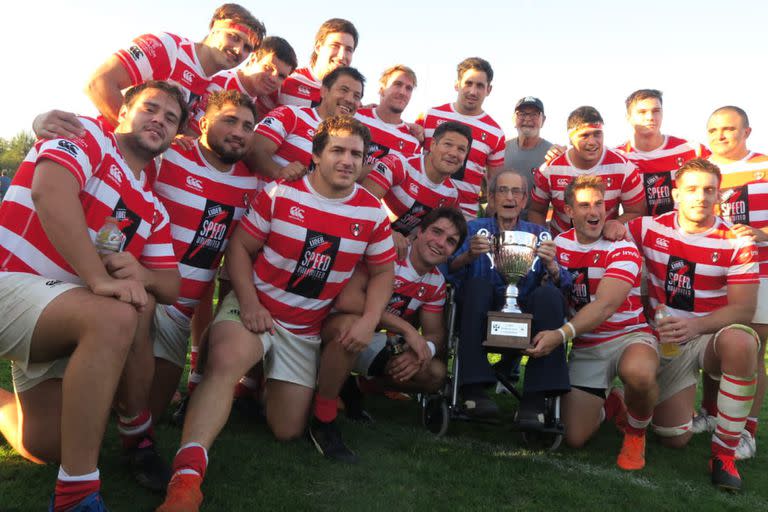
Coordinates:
(239, 14)
(736, 110)
(582, 182)
(700, 165)
(330, 78)
(453, 215)
(336, 125)
(168, 88)
(453, 126)
(642, 94)
(217, 99)
(280, 48)
(477, 64)
(333, 26)
(583, 115)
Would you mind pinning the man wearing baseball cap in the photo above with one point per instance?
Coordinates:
(526, 152)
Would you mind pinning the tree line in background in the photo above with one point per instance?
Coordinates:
(13, 151)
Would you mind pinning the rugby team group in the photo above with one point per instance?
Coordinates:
(342, 227)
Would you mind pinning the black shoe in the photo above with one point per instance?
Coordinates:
(352, 397)
(148, 468)
(725, 476)
(249, 408)
(476, 402)
(327, 439)
(178, 416)
(530, 414)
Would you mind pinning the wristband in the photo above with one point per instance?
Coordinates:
(562, 333)
(573, 329)
(432, 348)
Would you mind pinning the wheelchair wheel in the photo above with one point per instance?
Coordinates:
(542, 440)
(434, 414)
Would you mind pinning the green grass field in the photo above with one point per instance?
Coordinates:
(404, 468)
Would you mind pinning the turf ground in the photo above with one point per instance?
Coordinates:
(404, 468)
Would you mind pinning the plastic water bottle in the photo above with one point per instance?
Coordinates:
(109, 239)
(668, 350)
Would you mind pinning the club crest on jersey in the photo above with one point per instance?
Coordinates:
(596, 258)
(422, 291)
(246, 200)
(715, 256)
(483, 136)
(680, 161)
(311, 133)
(608, 182)
(355, 229)
(401, 145)
(759, 175)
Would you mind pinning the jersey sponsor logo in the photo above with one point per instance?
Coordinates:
(398, 304)
(734, 205)
(410, 219)
(658, 192)
(53, 283)
(68, 147)
(679, 285)
(136, 53)
(661, 243)
(377, 151)
(115, 174)
(296, 213)
(210, 236)
(314, 265)
(580, 289)
(127, 220)
(194, 183)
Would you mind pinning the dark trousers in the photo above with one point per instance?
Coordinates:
(548, 374)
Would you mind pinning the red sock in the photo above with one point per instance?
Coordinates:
(191, 458)
(751, 426)
(193, 380)
(134, 431)
(636, 425)
(612, 405)
(246, 388)
(69, 493)
(193, 358)
(724, 446)
(325, 408)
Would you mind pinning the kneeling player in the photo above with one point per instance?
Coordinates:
(707, 278)
(295, 249)
(611, 336)
(406, 362)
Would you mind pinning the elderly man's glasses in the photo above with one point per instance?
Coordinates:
(515, 191)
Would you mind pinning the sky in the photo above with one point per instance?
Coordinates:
(702, 54)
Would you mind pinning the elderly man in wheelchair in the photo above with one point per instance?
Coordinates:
(480, 288)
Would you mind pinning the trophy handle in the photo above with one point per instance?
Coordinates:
(484, 232)
(543, 236)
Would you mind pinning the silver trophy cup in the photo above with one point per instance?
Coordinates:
(514, 254)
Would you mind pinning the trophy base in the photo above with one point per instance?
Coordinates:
(508, 330)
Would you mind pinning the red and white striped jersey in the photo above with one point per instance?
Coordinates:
(311, 247)
(292, 129)
(204, 205)
(108, 188)
(165, 56)
(387, 138)
(300, 89)
(227, 80)
(412, 291)
(410, 194)
(622, 185)
(743, 199)
(657, 169)
(488, 144)
(690, 273)
(588, 264)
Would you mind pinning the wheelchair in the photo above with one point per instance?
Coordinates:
(439, 409)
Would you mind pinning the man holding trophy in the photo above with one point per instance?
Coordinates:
(609, 331)
(490, 259)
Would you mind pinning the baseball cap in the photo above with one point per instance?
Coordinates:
(530, 101)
